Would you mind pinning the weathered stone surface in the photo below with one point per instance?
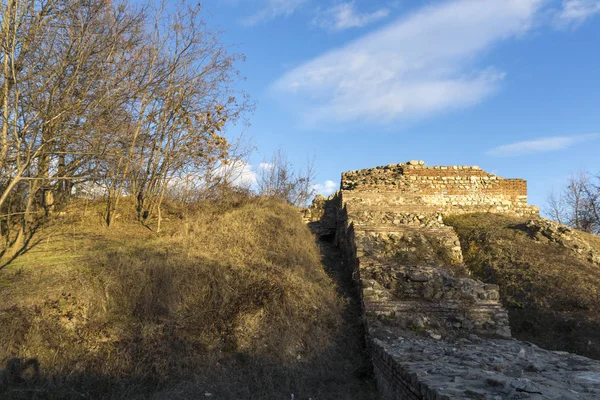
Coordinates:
(321, 214)
(487, 369)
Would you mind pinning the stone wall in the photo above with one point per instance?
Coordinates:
(405, 270)
(475, 368)
(456, 189)
(434, 333)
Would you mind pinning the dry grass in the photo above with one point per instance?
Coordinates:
(593, 240)
(229, 299)
(552, 295)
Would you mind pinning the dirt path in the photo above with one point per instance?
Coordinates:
(353, 344)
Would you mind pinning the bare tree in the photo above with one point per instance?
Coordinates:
(123, 97)
(62, 64)
(233, 172)
(186, 110)
(578, 205)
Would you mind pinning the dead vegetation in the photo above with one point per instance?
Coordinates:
(551, 292)
(229, 301)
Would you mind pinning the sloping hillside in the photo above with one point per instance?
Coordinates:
(228, 301)
(549, 277)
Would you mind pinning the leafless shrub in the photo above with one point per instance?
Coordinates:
(278, 178)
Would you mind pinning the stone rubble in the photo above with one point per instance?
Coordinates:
(544, 230)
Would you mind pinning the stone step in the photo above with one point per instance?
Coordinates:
(395, 208)
(419, 218)
(378, 193)
(432, 203)
(394, 193)
(447, 306)
(414, 197)
(430, 285)
(391, 228)
(487, 318)
(370, 262)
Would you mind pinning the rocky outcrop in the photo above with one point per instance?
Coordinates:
(543, 230)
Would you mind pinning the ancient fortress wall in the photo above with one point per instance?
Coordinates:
(456, 189)
(432, 332)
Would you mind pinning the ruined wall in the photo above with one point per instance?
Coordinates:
(439, 189)
(434, 333)
(409, 274)
(483, 369)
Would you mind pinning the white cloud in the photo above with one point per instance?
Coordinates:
(273, 9)
(344, 15)
(542, 145)
(238, 173)
(415, 66)
(575, 12)
(266, 166)
(327, 188)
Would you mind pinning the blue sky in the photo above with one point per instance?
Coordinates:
(510, 85)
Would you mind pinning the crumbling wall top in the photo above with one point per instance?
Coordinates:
(387, 175)
(457, 188)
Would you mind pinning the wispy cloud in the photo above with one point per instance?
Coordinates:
(326, 188)
(575, 12)
(344, 16)
(273, 9)
(415, 66)
(542, 145)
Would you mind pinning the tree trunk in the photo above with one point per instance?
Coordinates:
(6, 24)
(119, 193)
(159, 212)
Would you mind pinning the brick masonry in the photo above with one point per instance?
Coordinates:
(455, 189)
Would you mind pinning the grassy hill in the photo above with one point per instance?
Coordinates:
(549, 277)
(229, 301)
(233, 300)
